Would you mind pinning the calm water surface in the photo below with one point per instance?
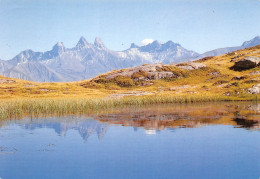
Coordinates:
(168, 141)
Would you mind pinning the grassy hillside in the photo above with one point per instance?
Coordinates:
(216, 79)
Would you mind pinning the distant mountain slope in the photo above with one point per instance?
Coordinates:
(168, 52)
(220, 51)
(87, 60)
(32, 71)
(255, 41)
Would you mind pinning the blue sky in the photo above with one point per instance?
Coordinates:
(199, 25)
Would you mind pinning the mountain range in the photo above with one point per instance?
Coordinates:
(87, 60)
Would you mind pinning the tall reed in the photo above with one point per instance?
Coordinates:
(17, 108)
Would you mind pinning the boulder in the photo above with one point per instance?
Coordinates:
(247, 63)
(254, 90)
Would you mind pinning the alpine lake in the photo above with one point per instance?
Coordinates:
(200, 140)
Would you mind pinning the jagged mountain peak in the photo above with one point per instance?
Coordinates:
(133, 45)
(82, 43)
(59, 45)
(154, 43)
(26, 54)
(98, 43)
(171, 44)
(157, 46)
(58, 48)
(28, 51)
(151, 47)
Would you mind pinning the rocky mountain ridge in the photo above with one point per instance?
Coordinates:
(86, 60)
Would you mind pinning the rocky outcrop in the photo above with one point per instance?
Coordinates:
(246, 63)
(191, 66)
(159, 75)
(151, 68)
(144, 75)
(140, 76)
(254, 90)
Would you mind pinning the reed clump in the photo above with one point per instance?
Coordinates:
(18, 108)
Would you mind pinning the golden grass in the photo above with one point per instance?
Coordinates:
(17, 108)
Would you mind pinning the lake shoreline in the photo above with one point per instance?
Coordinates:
(18, 107)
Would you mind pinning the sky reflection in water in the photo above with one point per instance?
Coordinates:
(168, 141)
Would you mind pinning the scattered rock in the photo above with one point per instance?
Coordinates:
(255, 73)
(246, 63)
(179, 87)
(192, 92)
(234, 58)
(46, 90)
(216, 74)
(239, 78)
(159, 75)
(255, 80)
(2, 81)
(232, 53)
(130, 93)
(146, 83)
(220, 82)
(227, 94)
(222, 85)
(29, 86)
(254, 107)
(228, 85)
(186, 67)
(254, 90)
(191, 66)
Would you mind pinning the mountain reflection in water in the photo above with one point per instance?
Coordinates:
(151, 118)
(219, 140)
